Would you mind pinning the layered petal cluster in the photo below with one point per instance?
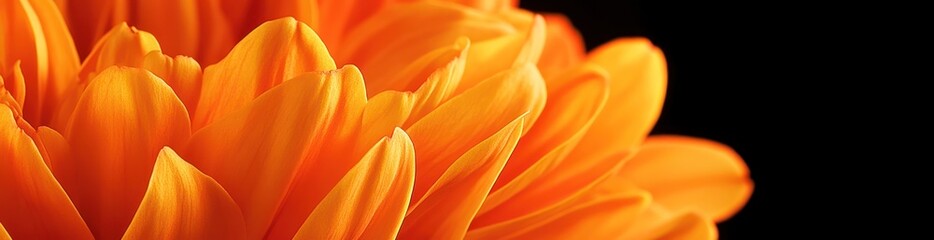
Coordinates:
(474, 120)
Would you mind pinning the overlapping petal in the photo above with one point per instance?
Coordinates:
(33, 204)
(638, 77)
(371, 200)
(183, 203)
(34, 33)
(275, 52)
(510, 130)
(690, 174)
(120, 122)
(282, 139)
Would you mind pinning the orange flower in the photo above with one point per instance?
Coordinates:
(476, 120)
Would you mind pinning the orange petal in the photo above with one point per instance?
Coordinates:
(43, 44)
(88, 24)
(274, 52)
(3, 234)
(685, 173)
(520, 48)
(567, 116)
(461, 189)
(278, 140)
(488, 5)
(14, 84)
(659, 223)
(371, 200)
(446, 133)
(447, 60)
(119, 124)
(179, 33)
(54, 143)
(121, 46)
(381, 50)
(564, 46)
(390, 109)
(574, 178)
(217, 33)
(637, 90)
(182, 73)
(303, 11)
(33, 204)
(603, 212)
(183, 203)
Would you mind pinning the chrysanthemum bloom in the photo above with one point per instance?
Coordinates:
(476, 120)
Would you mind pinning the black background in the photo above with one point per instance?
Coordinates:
(723, 80)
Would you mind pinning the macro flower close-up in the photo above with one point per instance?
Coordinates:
(341, 119)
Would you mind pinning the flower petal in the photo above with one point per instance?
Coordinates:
(449, 131)
(371, 200)
(3, 234)
(603, 212)
(461, 189)
(564, 46)
(295, 134)
(489, 57)
(488, 5)
(179, 33)
(34, 32)
(55, 145)
(183, 203)
(14, 84)
(275, 51)
(567, 116)
(121, 46)
(659, 223)
(33, 204)
(685, 173)
(574, 178)
(390, 109)
(637, 90)
(381, 50)
(122, 120)
(182, 73)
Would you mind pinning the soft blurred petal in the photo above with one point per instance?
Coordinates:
(685, 173)
(183, 203)
(447, 208)
(283, 138)
(13, 84)
(656, 222)
(638, 79)
(488, 5)
(371, 200)
(122, 120)
(182, 73)
(3, 234)
(276, 51)
(564, 46)
(174, 22)
(33, 204)
(498, 41)
(34, 32)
